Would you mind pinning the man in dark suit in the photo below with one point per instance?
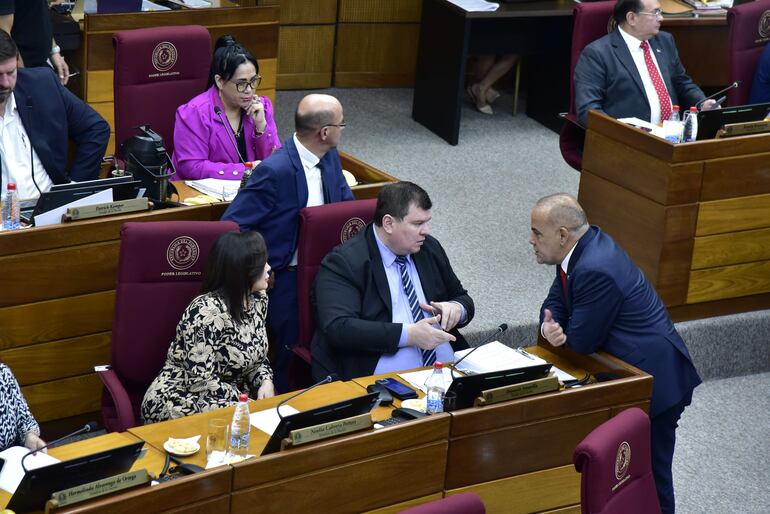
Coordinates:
(600, 300)
(36, 108)
(388, 300)
(634, 71)
(305, 172)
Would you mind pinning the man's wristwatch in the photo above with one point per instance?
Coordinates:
(55, 50)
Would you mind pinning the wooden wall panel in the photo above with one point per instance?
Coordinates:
(373, 11)
(719, 177)
(398, 507)
(302, 12)
(64, 398)
(305, 56)
(729, 282)
(532, 492)
(376, 54)
(735, 214)
(731, 248)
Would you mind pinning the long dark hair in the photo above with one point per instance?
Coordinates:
(228, 55)
(236, 261)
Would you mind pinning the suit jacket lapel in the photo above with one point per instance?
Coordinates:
(223, 131)
(624, 56)
(378, 270)
(299, 172)
(421, 262)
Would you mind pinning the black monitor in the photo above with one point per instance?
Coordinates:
(709, 122)
(469, 387)
(123, 188)
(37, 486)
(326, 414)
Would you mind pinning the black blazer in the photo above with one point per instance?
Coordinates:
(606, 78)
(353, 307)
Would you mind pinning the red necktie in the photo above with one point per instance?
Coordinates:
(657, 81)
(563, 278)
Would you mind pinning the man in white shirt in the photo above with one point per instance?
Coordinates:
(304, 172)
(634, 71)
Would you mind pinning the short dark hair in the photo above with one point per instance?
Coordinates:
(8, 48)
(623, 7)
(312, 120)
(395, 199)
(236, 261)
(228, 55)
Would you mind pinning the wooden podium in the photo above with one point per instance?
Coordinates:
(695, 217)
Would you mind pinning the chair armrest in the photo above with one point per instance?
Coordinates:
(571, 117)
(123, 407)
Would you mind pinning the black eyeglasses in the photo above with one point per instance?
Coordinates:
(241, 85)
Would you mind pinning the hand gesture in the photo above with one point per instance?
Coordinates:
(424, 336)
(552, 331)
(61, 68)
(257, 112)
(266, 390)
(33, 441)
(450, 313)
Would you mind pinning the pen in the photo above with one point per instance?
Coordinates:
(524, 353)
(74, 73)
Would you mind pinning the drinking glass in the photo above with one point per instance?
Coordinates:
(216, 441)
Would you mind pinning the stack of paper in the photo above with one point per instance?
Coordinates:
(12, 472)
(220, 189)
(496, 356)
(476, 5)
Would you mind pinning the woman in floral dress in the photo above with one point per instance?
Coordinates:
(220, 348)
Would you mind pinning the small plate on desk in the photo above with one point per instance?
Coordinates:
(182, 447)
(418, 404)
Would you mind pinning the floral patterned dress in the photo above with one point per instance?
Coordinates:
(211, 360)
(15, 418)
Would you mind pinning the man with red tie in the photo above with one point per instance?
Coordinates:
(634, 71)
(600, 300)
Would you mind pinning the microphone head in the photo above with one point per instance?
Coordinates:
(217, 110)
(331, 377)
(503, 327)
(91, 426)
(736, 83)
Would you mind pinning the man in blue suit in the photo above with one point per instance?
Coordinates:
(600, 300)
(39, 117)
(634, 71)
(305, 172)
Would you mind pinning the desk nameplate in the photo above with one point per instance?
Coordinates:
(97, 488)
(326, 430)
(744, 129)
(106, 209)
(514, 391)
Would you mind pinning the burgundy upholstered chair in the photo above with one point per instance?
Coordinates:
(320, 230)
(614, 460)
(592, 21)
(746, 39)
(160, 269)
(157, 70)
(463, 503)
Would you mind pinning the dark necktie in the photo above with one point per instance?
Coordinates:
(563, 278)
(657, 81)
(327, 199)
(428, 356)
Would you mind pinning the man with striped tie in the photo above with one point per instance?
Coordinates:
(388, 300)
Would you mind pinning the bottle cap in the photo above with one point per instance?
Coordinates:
(437, 365)
(243, 397)
(249, 165)
(11, 186)
(675, 107)
(693, 109)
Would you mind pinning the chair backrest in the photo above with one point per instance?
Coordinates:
(322, 228)
(156, 70)
(463, 503)
(614, 460)
(749, 32)
(160, 270)
(592, 21)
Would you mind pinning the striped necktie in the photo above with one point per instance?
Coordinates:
(428, 356)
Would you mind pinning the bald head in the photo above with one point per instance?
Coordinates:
(558, 221)
(316, 111)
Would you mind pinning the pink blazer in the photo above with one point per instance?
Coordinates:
(202, 146)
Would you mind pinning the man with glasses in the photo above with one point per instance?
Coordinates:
(634, 71)
(305, 172)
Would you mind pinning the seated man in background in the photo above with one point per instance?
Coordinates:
(600, 300)
(388, 300)
(304, 172)
(634, 71)
(760, 89)
(39, 116)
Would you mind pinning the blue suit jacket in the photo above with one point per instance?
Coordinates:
(276, 191)
(606, 78)
(52, 116)
(760, 89)
(611, 306)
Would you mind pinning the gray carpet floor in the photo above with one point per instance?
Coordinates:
(482, 192)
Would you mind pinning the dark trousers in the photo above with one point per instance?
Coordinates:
(283, 324)
(663, 435)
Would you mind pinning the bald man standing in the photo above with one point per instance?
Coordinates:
(305, 172)
(600, 300)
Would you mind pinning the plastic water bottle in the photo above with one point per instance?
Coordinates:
(690, 132)
(239, 429)
(672, 127)
(436, 389)
(11, 212)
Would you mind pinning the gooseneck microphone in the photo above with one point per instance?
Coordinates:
(29, 138)
(229, 131)
(89, 427)
(734, 85)
(499, 330)
(329, 378)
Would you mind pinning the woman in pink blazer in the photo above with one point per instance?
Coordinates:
(227, 124)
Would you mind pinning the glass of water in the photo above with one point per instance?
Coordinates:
(216, 441)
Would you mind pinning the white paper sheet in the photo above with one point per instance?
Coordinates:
(53, 217)
(12, 472)
(220, 189)
(476, 5)
(267, 420)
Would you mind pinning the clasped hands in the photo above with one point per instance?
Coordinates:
(424, 335)
(552, 331)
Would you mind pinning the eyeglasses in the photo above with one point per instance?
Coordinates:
(656, 13)
(338, 125)
(241, 85)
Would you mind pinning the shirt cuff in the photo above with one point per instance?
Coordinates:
(404, 336)
(464, 315)
(542, 326)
